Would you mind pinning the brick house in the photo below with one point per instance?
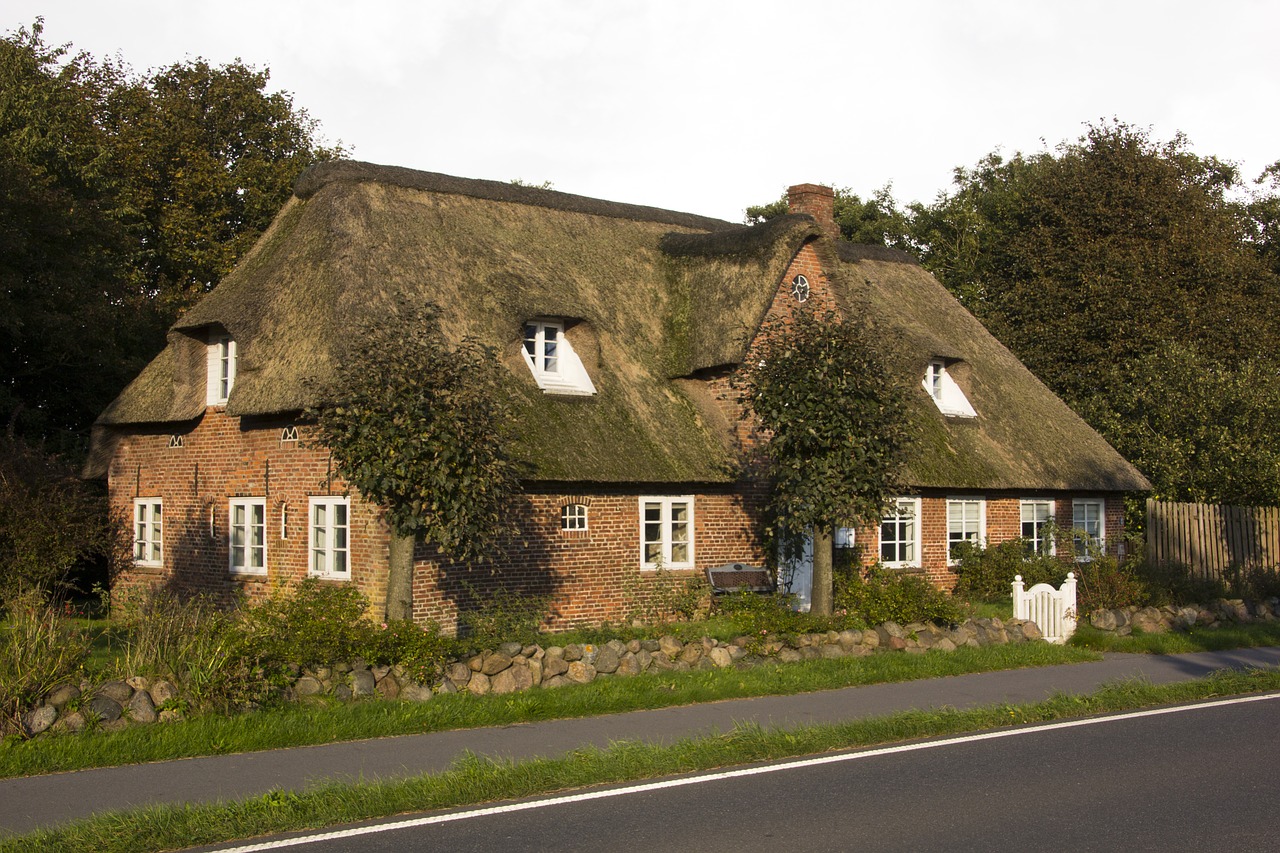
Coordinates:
(621, 327)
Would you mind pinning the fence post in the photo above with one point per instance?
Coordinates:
(1069, 612)
(1019, 604)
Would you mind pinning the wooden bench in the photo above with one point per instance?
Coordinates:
(739, 577)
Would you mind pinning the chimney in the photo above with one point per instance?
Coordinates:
(817, 201)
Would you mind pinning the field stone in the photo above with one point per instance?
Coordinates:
(138, 682)
(106, 709)
(479, 684)
(61, 695)
(495, 663)
(342, 693)
(670, 646)
(581, 672)
(72, 722)
(141, 709)
(607, 659)
(307, 685)
(388, 687)
(512, 679)
(1030, 630)
(116, 690)
(719, 657)
(119, 724)
(628, 665)
(553, 666)
(363, 683)
(573, 652)
(413, 692)
(511, 649)
(380, 671)
(163, 691)
(446, 686)
(38, 720)
(459, 674)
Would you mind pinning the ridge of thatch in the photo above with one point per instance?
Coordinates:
(324, 174)
(1024, 438)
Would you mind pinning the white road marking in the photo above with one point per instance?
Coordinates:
(731, 774)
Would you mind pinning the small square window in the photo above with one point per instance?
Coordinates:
(573, 517)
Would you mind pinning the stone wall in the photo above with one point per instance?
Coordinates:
(1159, 620)
(512, 667)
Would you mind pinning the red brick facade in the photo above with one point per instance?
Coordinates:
(589, 575)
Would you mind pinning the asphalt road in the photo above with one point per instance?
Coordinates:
(1201, 778)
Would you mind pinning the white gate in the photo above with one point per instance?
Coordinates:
(1053, 610)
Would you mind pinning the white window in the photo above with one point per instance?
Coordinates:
(573, 517)
(555, 366)
(666, 532)
(944, 391)
(222, 369)
(329, 541)
(966, 522)
(1037, 521)
(147, 532)
(900, 534)
(248, 536)
(1088, 517)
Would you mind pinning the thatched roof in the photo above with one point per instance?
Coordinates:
(659, 295)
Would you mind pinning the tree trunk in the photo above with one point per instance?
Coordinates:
(399, 577)
(821, 596)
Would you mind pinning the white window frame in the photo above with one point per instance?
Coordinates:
(324, 544)
(1098, 538)
(222, 359)
(148, 532)
(964, 525)
(1036, 537)
(573, 517)
(905, 511)
(944, 391)
(666, 526)
(551, 358)
(247, 535)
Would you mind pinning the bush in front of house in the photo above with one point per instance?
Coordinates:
(986, 574)
(876, 595)
(420, 649)
(311, 623)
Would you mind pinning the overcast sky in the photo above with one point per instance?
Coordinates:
(708, 107)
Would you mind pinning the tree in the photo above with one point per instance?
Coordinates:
(838, 431)
(1201, 431)
(420, 429)
(1091, 256)
(877, 221)
(122, 198)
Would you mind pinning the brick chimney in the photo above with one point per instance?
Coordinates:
(817, 201)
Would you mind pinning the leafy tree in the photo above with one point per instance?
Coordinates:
(420, 429)
(1093, 255)
(877, 221)
(208, 157)
(122, 198)
(1201, 430)
(839, 432)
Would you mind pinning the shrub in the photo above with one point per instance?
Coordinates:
(1103, 582)
(38, 651)
(313, 623)
(665, 597)
(502, 616)
(196, 645)
(419, 649)
(986, 574)
(879, 595)
(753, 613)
(1174, 583)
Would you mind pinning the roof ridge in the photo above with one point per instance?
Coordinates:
(353, 171)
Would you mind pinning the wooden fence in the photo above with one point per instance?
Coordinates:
(1211, 538)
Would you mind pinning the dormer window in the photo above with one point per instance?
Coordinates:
(944, 391)
(222, 369)
(555, 366)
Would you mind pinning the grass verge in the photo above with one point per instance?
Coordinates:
(475, 780)
(307, 724)
(1252, 635)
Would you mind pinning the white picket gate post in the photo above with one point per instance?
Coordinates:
(1053, 610)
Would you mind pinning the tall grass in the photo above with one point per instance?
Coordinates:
(39, 650)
